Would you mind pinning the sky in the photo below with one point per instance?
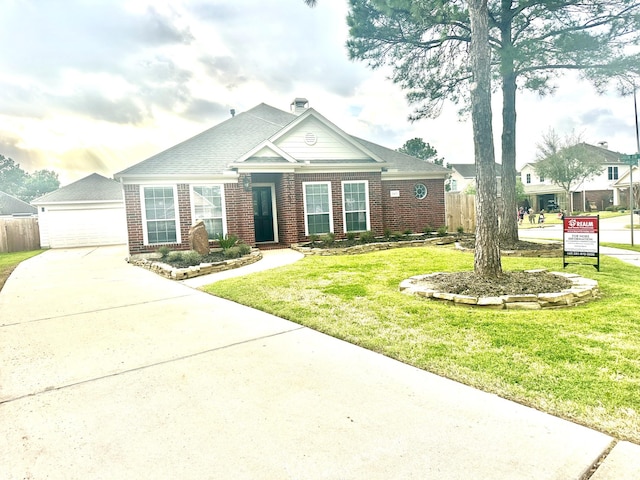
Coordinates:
(95, 86)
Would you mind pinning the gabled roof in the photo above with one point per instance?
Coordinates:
(236, 140)
(94, 188)
(468, 170)
(10, 205)
(603, 154)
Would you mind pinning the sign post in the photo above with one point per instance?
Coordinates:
(632, 161)
(581, 238)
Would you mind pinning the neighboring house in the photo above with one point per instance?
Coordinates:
(275, 178)
(463, 176)
(84, 213)
(14, 207)
(596, 193)
(621, 188)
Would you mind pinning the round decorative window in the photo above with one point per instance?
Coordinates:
(420, 191)
(310, 138)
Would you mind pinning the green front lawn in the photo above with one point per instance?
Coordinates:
(9, 261)
(581, 363)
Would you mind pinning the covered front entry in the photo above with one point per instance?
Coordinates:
(264, 217)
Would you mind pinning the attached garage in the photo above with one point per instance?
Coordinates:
(89, 212)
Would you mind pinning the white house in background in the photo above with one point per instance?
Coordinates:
(596, 193)
(463, 175)
(84, 213)
(621, 188)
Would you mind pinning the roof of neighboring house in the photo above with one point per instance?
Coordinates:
(468, 170)
(604, 155)
(213, 151)
(10, 205)
(94, 188)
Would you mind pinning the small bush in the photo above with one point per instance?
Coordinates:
(192, 257)
(174, 257)
(313, 238)
(164, 251)
(407, 232)
(460, 230)
(328, 239)
(428, 230)
(367, 237)
(226, 241)
(611, 208)
(232, 252)
(442, 231)
(387, 233)
(244, 249)
(351, 236)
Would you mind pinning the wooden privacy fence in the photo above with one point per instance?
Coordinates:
(19, 234)
(461, 211)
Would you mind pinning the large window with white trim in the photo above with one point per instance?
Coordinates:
(355, 206)
(317, 208)
(160, 215)
(208, 205)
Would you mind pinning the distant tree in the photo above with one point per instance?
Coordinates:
(416, 147)
(39, 183)
(26, 187)
(12, 177)
(566, 161)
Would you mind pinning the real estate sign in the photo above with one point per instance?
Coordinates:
(581, 238)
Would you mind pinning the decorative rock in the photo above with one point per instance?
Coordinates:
(490, 301)
(199, 238)
(523, 306)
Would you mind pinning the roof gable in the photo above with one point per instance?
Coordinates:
(468, 170)
(94, 188)
(10, 205)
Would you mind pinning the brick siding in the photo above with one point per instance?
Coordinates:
(406, 212)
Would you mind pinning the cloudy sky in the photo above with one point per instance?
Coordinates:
(98, 85)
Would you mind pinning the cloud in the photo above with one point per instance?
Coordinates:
(96, 106)
(201, 110)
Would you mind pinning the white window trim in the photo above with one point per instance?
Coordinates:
(304, 202)
(274, 211)
(193, 206)
(145, 230)
(344, 207)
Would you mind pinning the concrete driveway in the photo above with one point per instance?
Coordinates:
(111, 372)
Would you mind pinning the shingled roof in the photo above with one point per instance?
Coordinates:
(94, 188)
(10, 205)
(213, 151)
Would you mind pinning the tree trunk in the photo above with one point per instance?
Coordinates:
(487, 251)
(508, 222)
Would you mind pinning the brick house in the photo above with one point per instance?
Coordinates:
(274, 178)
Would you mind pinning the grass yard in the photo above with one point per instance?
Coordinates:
(9, 261)
(554, 219)
(580, 363)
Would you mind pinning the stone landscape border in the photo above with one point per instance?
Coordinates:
(581, 291)
(372, 247)
(174, 273)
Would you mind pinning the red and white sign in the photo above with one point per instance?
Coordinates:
(581, 236)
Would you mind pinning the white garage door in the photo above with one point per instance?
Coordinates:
(87, 227)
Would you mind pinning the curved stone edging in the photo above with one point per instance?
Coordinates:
(372, 247)
(174, 273)
(582, 291)
(522, 253)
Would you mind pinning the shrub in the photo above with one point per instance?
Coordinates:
(226, 241)
(407, 232)
(367, 237)
(328, 238)
(313, 238)
(164, 251)
(192, 257)
(351, 236)
(611, 208)
(174, 257)
(232, 252)
(460, 230)
(442, 231)
(428, 230)
(244, 248)
(387, 233)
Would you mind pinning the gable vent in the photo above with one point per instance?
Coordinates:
(310, 138)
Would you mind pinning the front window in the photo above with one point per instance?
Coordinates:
(612, 173)
(317, 208)
(355, 198)
(541, 179)
(528, 178)
(208, 206)
(160, 215)
(454, 185)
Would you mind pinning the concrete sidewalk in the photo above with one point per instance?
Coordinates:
(109, 371)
